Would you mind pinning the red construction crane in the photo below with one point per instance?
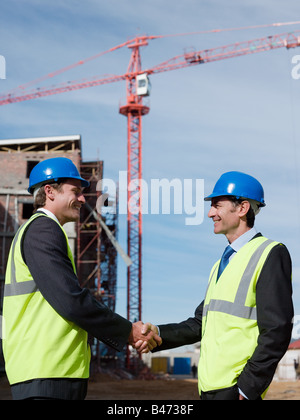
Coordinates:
(138, 86)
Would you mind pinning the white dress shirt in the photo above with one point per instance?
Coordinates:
(49, 213)
(242, 240)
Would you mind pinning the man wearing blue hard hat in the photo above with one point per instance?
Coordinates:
(47, 315)
(245, 321)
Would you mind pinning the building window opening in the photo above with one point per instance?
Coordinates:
(30, 165)
(27, 210)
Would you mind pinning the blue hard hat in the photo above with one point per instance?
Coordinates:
(239, 185)
(51, 170)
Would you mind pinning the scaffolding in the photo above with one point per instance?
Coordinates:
(17, 158)
(95, 256)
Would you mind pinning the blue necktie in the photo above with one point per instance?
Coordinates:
(225, 260)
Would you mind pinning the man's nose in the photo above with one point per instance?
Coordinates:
(81, 198)
(211, 212)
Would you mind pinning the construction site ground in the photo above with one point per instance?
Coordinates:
(103, 387)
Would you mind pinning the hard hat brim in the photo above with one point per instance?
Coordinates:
(224, 194)
(84, 183)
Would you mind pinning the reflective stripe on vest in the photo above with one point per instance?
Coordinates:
(38, 342)
(15, 288)
(229, 324)
(238, 307)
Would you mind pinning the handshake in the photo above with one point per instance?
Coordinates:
(144, 337)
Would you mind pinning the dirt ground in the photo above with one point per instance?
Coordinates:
(104, 388)
(173, 390)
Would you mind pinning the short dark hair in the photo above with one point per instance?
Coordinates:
(250, 215)
(40, 197)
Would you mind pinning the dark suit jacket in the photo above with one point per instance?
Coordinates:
(44, 251)
(274, 318)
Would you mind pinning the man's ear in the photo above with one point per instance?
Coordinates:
(244, 208)
(49, 191)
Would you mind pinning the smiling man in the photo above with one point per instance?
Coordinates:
(47, 314)
(245, 322)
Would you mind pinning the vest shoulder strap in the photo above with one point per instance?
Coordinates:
(15, 288)
(238, 307)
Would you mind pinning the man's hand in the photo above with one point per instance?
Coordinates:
(144, 337)
(141, 345)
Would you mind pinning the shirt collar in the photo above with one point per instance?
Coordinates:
(49, 213)
(243, 239)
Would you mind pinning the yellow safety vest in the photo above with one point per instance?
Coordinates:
(229, 324)
(37, 341)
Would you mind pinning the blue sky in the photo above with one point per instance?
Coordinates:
(238, 114)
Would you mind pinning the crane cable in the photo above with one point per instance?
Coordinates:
(267, 25)
(81, 62)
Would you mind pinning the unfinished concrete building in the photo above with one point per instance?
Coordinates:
(95, 257)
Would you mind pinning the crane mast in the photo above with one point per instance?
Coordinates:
(134, 110)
